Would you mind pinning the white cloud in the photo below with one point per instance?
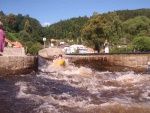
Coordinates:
(46, 24)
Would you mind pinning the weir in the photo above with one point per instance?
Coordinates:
(14, 61)
(138, 62)
(80, 89)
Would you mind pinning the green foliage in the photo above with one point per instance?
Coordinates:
(27, 26)
(24, 36)
(141, 43)
(28, 45)
(128, 48)
(2, 18)
(97, 46)
(35, 48)
(11, 23)
(66, 28)
(91, 31)
(20, 22)
(114, 31)
(137, 25)
(12, 36)
(129, 14)
(94, 30)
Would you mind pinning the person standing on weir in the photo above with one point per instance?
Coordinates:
(106, 44)
(2, 38)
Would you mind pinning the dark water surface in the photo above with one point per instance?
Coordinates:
(75, 90)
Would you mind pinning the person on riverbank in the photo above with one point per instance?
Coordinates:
(2, 38)
(106, 44)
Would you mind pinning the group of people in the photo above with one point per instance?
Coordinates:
(2, 38)
(57, 57)
(59, 61)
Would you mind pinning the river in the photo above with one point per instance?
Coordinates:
(74, 89)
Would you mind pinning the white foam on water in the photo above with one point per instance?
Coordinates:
(122, 100)
(109, 88)
(68, 69)
(109, 104)
(50, 100)
(131, 78)
(46, 108)
(74, 101)
(75, 70)
(146, 95)
(71, 74)
(23, 88)
(93, 82)
(83, 70)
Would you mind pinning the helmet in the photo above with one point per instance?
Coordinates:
(60, 55)
(54, 56)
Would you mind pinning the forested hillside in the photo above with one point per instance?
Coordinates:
(128, 14)
(123, 27)
(67, 28)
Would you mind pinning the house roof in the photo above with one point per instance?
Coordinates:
(53, 40)
(6, 40)
(17, 44)
(90, 50)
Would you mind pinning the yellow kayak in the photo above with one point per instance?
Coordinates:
(59, 62)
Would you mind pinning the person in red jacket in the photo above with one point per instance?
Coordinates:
(2, 38)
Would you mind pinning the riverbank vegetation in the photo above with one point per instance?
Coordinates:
(126, 30)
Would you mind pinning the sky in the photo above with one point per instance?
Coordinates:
(48, 12)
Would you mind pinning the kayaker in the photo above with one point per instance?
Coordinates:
(60, 56)
(58, 61)
(54, 58)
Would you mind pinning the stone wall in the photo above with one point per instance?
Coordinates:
(9, 51)
(14, 61)
(113, 62)
(48, 53)
(10, 65)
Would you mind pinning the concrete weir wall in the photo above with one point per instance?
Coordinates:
(14, 51)
(14, 61)
(113, 61)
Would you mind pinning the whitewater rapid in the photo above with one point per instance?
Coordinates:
(72, 89)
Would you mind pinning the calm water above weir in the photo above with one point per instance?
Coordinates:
(75, 90)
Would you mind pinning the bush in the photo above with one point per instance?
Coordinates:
(128, 48)
(141, 43)
(35, 48)
(12, 36)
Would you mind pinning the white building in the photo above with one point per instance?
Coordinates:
(75, 49)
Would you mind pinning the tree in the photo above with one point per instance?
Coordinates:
(28, 45)
(20, 22)
(2, 16)
(27, 26)
(129, 14)
(137, 26)
(24, 37)
(11, 23)
(35, 48)
(95, 30)
(114, 31)
(142, 43)
(66, 28)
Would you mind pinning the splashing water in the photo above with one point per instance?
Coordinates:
(72, 89)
